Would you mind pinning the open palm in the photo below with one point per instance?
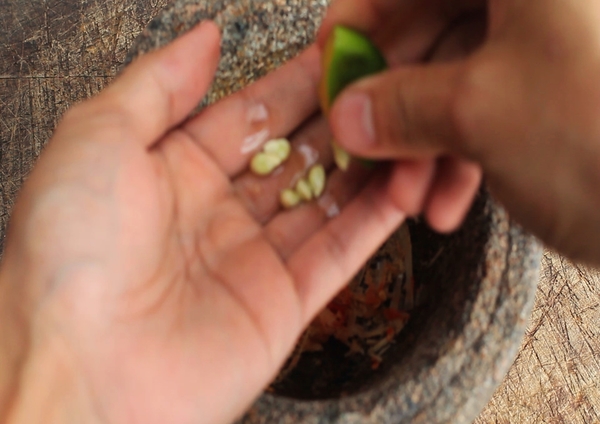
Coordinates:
(162, 276)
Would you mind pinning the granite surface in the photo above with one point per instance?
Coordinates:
(257, 35)
(481, 280)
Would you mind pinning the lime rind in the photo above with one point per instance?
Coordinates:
(348, 56)
(353, 56)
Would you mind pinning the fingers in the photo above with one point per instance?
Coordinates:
(231, 130)
(290, 228)
(411, 110)
(451, 194)
(460, 38)
(410, 114)
(407, 112)
(405, 30)
(410, 181)
(158, 90)
(443, 189)
(328, 259)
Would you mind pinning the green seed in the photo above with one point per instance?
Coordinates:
(316, 179)
(274, 153)
(279, 147)
(341, 157)
(289, 198)
(264, 163)
(304, 190)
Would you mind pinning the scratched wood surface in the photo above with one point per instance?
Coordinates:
(54, 53)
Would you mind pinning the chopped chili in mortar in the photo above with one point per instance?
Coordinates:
(368, 313)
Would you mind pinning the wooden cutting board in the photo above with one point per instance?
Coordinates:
(54, 53)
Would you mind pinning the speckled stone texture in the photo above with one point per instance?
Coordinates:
(478, 283)
(258, 36)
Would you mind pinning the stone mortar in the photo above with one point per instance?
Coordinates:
(479, 283)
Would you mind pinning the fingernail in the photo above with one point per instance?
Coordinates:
(355, 121)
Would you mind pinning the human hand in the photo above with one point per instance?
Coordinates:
(147, 277)
(524, 105)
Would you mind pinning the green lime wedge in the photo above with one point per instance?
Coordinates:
(348, 56)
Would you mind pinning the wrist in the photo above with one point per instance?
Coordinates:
(49, 391)
(38, 382)
(13, 344)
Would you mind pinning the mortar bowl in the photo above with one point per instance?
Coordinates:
(478, 284)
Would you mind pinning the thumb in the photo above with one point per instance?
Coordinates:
(406, 112)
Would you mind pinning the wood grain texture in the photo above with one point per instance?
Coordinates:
(555, 377)
(54, 53)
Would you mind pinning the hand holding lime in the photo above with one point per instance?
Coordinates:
(348, 56)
